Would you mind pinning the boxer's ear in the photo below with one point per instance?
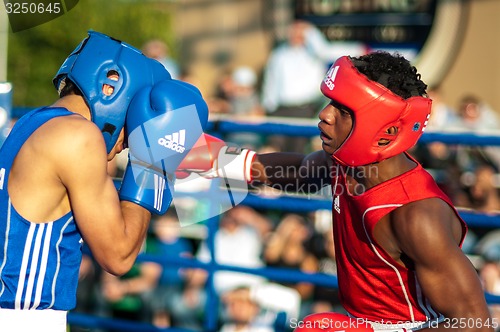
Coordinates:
(108, 89)
(390, 131)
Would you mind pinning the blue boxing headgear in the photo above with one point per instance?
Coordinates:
(90, 66)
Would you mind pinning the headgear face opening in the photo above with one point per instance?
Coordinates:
(375, 109)
(99, 61)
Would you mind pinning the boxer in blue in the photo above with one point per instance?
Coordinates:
(55, 192)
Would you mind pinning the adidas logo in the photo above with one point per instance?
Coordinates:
(336, 204)
(175, 141)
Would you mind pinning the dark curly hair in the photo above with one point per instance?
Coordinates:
(392, 71)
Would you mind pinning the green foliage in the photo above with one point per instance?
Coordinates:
(35, 55)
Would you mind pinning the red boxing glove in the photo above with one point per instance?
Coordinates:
(332, 322)
(211, 157)
(202, 156)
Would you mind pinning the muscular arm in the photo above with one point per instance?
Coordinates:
(293, 171)
(114, 230)
(429, 236)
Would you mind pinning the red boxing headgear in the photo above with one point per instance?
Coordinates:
(375, 109)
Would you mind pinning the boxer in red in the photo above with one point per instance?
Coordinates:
(397, 235)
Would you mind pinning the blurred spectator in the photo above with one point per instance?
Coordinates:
(489, 249)
(437, 157)
(167, 242)
(239, 242)
(244, 103)
(292, 72)
(129, 296)
(255, 308)
(488, 246)
(88, 288)
(443, 116)
(192, 77)
(219, 103)
(457, 190)
(325, 299)
(287, 248)
(483, 192)
(490, 275)
(477, 117)
(244, 98)
(159, 50)
(189, 306)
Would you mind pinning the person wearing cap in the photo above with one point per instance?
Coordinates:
(397, 235)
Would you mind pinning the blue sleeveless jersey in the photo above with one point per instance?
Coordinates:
(39, 262)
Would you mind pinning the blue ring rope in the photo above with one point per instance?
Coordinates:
(298, 204)
(294, 128)
(311, 130)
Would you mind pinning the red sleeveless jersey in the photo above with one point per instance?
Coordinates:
(372, 285)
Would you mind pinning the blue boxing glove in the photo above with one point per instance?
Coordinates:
(163, 123)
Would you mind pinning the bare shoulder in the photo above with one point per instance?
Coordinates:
(69, 136)
(61, 149)
(418, 213)
(426, 224)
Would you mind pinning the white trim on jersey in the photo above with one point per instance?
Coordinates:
(37, 273)
(401, 283)
(35, 259)
(426, 307)
(24, 266)
(34, 264)
(56, 274)
(5, 246)
(43, 267)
